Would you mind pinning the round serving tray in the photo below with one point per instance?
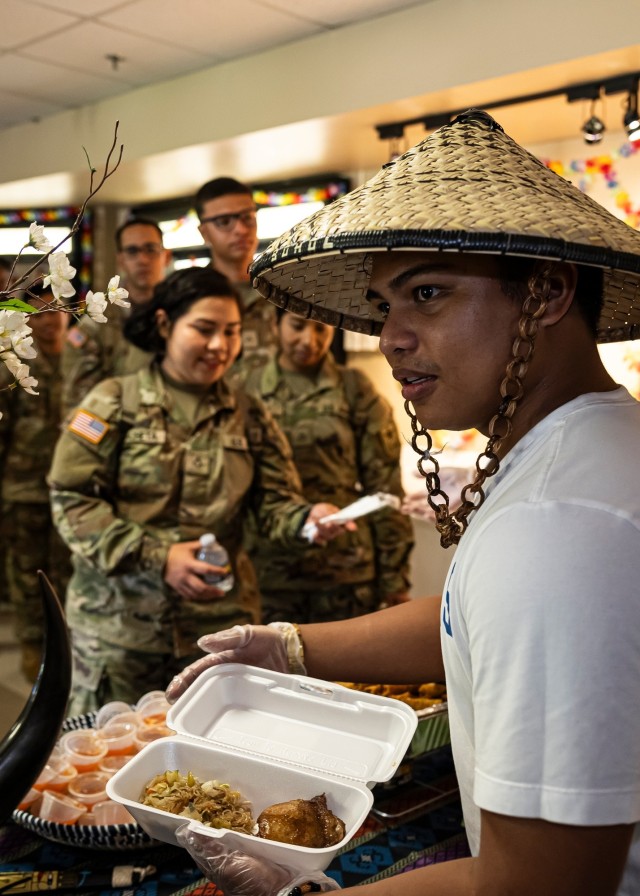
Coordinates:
(112, 836)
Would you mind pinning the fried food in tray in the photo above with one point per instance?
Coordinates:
(303, 822)
(417, 696)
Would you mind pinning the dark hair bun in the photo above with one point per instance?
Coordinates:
(174, 296)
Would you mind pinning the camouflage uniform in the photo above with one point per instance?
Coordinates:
(28, 431)
(130, 477)
(93, 352)
(344, 443)
(259, 333)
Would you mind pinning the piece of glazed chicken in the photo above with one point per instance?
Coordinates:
(307, 823)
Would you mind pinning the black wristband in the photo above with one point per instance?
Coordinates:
(308, 887)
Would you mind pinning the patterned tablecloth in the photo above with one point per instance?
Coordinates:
(416, 820)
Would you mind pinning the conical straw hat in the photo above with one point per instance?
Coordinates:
(468, 187)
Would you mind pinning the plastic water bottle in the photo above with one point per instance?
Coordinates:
(211, 551)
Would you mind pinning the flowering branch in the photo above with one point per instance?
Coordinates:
(36, 231)
(16, 338)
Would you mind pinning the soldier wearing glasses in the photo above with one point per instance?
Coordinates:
(92, 351)
(228, 226)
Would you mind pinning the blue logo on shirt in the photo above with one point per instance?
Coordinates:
(446, 607)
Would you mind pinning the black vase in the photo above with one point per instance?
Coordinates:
(25, 749)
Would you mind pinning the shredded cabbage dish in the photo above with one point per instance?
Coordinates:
(212, 802)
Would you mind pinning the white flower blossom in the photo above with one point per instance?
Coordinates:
(16, 334)
(95, 305)
(11, 323)
(23, 343)
(38, 239)
(116, 294)
(60, 274)
(20, 371)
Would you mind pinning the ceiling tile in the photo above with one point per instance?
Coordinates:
(337, 12)
(85, 8)
(53, 83)
(87, 46)
(47, 42)
(217, 29)
(22, 23)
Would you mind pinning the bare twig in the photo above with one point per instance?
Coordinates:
(109, 169)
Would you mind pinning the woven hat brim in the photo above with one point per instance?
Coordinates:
(466, 188)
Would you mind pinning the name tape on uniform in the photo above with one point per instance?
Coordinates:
(88, 426)
(238, 443)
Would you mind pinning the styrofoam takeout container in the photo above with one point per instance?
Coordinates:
(273, 737)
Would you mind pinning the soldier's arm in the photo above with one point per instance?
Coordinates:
(378, 446)
(276, 497)
(83, 483)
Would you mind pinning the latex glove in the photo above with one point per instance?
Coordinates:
(274, 646)
(238, 874)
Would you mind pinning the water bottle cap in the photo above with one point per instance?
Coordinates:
(207, 539)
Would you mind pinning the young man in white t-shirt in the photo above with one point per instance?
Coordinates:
(489, 309)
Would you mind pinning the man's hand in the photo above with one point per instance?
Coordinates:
(183, 572)
(326, 532)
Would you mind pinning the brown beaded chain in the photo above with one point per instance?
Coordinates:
(452, 526)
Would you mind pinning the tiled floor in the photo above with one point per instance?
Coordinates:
(14, 689)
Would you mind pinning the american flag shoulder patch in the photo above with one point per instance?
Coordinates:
(76, 337)
(88, 426)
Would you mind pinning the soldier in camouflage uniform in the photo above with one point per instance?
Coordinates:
(28, 431)
(95, 351)
(228, 226)
(345, 444)
(148, 463)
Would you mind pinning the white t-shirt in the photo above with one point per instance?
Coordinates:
(541, 628)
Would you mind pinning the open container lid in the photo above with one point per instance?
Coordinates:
(297, 721)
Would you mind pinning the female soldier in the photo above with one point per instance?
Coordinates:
(146, 464)
(344, 444)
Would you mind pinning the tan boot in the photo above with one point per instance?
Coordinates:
(31, 659)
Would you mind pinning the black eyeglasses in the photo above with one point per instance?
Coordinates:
(228, 222)
(147, 249)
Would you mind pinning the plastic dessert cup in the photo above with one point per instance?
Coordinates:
(111, 764)
(150, 695)
(56, 774)
(146, 734)
(130, 717)
(84, 749)
(154, 712)
(29, 800)
(59, 808)
(89, 788)
(119, 737)
(109, 812)
(109, 710)
(60, 782)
